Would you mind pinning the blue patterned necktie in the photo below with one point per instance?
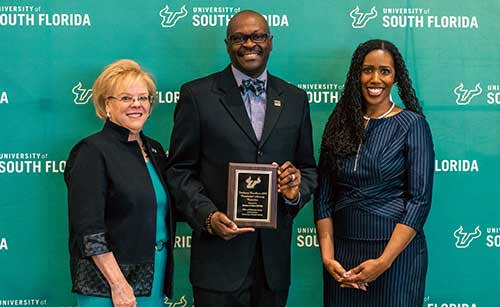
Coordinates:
(255, 103)
(254, 85)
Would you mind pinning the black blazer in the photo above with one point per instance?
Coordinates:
(112, 207)
(211, 129)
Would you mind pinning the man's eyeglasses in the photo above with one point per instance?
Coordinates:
(240, 39)
(129, 99)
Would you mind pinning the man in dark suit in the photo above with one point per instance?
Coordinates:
(241, 114)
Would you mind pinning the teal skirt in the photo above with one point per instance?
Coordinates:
(156, 298)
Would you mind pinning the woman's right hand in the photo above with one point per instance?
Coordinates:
(325, 235)
(122, 295)
(335, 269)
(339, 273)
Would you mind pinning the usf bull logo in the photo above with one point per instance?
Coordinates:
(464, 96)
(82, 95)
(359, 20)
(465, 238)
(180, 303)
(252, 183)
(169, 19)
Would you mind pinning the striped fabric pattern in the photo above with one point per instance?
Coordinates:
(403, 285)
(388, 182)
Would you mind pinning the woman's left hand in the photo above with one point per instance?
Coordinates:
(367, 271)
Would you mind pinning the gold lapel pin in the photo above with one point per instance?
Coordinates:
(277, 103)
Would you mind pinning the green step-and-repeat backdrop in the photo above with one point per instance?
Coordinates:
(51, 52)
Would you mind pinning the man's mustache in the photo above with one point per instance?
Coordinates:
(243, 50)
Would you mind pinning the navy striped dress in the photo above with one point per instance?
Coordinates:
(388, 182)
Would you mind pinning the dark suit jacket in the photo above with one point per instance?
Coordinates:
(211, 129)
(112, 207)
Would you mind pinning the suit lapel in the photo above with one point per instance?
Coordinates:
(232, 101)
(274, 106)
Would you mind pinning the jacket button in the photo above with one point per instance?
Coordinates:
(260, 153)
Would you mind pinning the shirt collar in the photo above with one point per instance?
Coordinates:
(239, 76)
(118, 131)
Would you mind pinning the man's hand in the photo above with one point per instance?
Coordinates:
(225, 228)
(289, 179)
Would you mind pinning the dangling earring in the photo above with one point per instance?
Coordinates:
(108, 115)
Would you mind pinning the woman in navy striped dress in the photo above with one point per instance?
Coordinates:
(375, 187)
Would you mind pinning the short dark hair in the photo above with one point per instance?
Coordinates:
(244, 12)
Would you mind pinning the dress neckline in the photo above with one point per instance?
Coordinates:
(387, 117)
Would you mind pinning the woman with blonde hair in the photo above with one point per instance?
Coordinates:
(121, 227)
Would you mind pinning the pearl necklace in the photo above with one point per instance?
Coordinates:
(383, 115)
